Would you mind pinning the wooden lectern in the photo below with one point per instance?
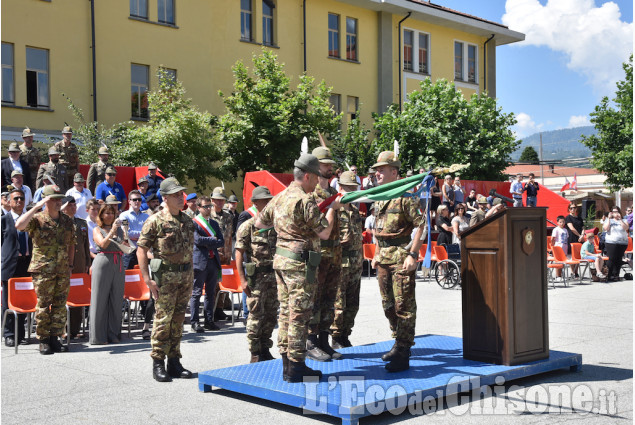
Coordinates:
(504, 280)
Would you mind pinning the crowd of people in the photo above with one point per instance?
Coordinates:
(298, 254)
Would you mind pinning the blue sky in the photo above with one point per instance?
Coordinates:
(571, 57)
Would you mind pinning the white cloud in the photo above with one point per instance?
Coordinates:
(594, 39)
(579, 121)
(525, 126)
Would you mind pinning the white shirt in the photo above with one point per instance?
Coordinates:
(28, 196)
(335, 184)
(91, 241)
(80, 200)
(16, 165)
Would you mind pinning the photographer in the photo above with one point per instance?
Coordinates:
(616, 242)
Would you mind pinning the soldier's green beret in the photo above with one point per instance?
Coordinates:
(308, 163)
(13, 147)
(261, 192)
(111, 170)
(67, 129)
(52, 191)
(53, 151)
(27, 132)
(387, 158)
(348, 178)
(232, 198)
(218, 193)
(78, 178)
(103, 150)
(170, 186)
(112, 200)
(323, 155)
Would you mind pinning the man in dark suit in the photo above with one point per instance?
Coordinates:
(16, 256)
(207, 239)
(14, 163)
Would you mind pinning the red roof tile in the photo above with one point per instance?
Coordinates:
(558, 170)
(455, 12)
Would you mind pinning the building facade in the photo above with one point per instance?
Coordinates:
(104, 55)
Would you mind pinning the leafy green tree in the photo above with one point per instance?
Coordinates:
(266, 119)
(439, 127)
(529, 155)
(612, 147)
(178, 137)
(354, 147)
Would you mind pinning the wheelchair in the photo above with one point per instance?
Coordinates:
(447, 269)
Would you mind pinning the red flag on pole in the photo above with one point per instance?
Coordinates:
(566, 186)
(574, 183)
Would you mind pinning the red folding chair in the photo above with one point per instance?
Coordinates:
(78, 296)
(230, 284)
(21, 299)
(135, 290)
(561, 258)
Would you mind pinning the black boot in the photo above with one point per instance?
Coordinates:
(57, 346)
(347, 342)
(176, 370)
(285, 366)
(338, 342)
(219, 315)
(400, 361)
(314, 351)
(392, 353)
(299, 370)
(158, 371)
(326, 347)
(265, 355)
(45, 347)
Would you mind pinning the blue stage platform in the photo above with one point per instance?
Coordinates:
(358, 385)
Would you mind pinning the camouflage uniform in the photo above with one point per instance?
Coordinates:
(97, 174)
(395, 221)
(172, 241)
(347, 299)
(32, 157)
(297, 221)
(57, 172)
(50, 271)
(69, 156)
(226, 223)
(263, 304)
(329, 272)
(190, 213)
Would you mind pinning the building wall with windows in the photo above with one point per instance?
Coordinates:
(351, 44)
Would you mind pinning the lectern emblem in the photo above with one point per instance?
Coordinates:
(529, 242)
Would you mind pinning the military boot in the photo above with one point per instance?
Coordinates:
(57, 346)
(176, 370)
(265, 355)
(285, 366)
(400, 361)
(299, 370)
(255, 358)
(45, 347)
(338, 342)
(158, 371)
(347, 342)
(314, 351)
(392, 353)
(326, 347)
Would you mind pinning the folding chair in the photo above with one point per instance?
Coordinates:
(78, 296)
(561, 258)
(21, 299)
(230, 284)
(135, 289)
(369, 254)
(575, 256)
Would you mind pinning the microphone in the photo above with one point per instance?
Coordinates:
(493, 193)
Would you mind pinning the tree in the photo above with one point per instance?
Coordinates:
(178, 137)
(612, 147)
(439, 127)
(266, 119)
(529, 155)
(354, 146)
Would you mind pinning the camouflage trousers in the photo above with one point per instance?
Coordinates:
(50, 311)
(397, 289)
(328, 280)
(295, 295)
(347, 298)
(175, 289)
(263, 311)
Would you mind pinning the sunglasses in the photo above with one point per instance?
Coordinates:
(18, 198)
(110, 174)
(205, 206)
(135, 200)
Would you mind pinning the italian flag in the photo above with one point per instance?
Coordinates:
(391, 190)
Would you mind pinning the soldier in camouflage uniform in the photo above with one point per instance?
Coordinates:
(299, 225)
(97, 171)
(256, 249)
(329, 272)
(55, 169)
(30, 154)
(395, 263)
(226, 223)
(347, 299)
(53, 238)
(170, 236)
(69, 155)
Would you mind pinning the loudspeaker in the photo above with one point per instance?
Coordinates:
(586, 205)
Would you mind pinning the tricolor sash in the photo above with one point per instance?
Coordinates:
(201, 221)
(253, 211)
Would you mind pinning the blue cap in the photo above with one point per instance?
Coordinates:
(190, 196)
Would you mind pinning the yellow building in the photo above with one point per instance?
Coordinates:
(104, 55)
